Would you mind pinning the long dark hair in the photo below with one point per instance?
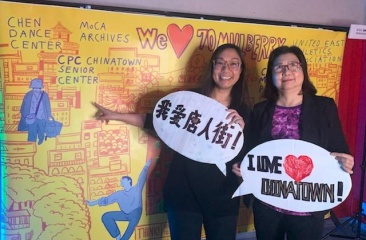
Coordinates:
(239, 92)
(270, 91)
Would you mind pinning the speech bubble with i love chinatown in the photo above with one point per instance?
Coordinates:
(294, 175)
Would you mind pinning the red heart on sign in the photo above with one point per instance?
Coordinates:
(298, 168)
(179, 38)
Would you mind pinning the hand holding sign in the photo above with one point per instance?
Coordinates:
(196, 127)
(294, 175)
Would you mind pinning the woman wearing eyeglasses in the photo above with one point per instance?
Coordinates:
(293, 111)
(195, 193)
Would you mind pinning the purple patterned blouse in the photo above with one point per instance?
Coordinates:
(285, 125)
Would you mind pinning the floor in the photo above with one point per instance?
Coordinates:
(347, 231)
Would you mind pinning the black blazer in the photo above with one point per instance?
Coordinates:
(319, 124)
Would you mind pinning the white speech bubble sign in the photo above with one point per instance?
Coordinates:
(280, 173)
(212, 140)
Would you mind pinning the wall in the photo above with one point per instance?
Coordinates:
(79, 66)
(325, 12)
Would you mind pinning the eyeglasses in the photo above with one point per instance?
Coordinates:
(292, 66)
(219, 64)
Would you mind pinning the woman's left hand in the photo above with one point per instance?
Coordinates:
(236, 170)
(235, 118)
(345, 160)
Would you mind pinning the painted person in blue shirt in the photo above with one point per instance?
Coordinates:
(129, 201)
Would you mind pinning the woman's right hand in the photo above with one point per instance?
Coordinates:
(103, 114)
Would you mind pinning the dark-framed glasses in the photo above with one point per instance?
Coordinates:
(292, 66)
(233, 64)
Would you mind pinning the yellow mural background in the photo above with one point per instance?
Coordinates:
(125, 62)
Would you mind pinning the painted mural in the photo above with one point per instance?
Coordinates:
(58, 164)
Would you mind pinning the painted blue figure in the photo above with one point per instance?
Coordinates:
(35, 112)
(130, 202)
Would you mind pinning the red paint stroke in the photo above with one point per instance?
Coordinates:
(179, 38)
(298, 168)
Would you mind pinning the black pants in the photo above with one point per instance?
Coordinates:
(188, 225)
(272, 225)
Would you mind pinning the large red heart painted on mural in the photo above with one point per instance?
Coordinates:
(298, 168)
(179, 38)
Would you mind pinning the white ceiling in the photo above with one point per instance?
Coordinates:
(319, 12)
